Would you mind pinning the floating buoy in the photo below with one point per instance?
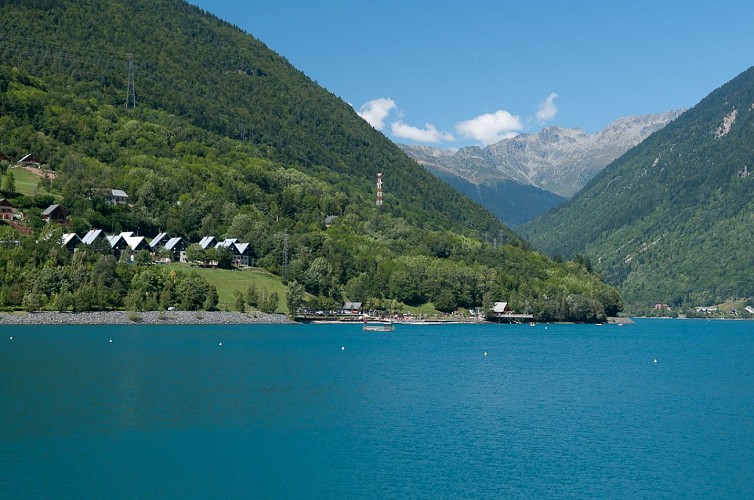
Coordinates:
(485, 353)
(11, 338)
(220, 344)
(655, 361)
(111, 341)
(342, 348)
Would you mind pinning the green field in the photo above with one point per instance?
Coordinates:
(229, 280)
(26, 182)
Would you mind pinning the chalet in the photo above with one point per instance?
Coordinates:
(208, 242)
(6, 210)
(118, 243)
(70, 241)
(92, 236)
(159, 241)
(30, 160)
(177, 248)
(118, 197)
(135, 243)
(54, 213)
(242, 255)
(501, 308)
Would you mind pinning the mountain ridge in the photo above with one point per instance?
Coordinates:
(671, 220)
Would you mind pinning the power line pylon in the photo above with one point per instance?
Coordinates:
(131, 92)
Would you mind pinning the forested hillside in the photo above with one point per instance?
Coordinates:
(227, 139)
(672, 221)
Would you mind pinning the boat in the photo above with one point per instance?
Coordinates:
(378, 326)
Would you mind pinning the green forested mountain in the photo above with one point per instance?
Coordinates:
(672, 221)
(226, 138)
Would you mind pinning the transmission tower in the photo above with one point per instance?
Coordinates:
(285, 253)
(379, 189)
(131, 92)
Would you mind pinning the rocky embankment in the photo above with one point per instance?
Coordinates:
(146, 318)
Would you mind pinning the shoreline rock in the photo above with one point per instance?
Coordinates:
(142, 318)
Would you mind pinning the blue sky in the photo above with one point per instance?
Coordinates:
(452, 74)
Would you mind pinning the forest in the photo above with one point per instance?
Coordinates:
(671, 221)
(292, 155)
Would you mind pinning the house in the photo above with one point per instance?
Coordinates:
(159, 241)
(118, 243)
(242, 254)
(4, 157)
(92, 236)
(352, 308)
(6, 210)
(177, 249)
(501, 308)
(70, 241)
(30, 160)
(662, 307)
(207, 242)
(330, 220)
(118, 197)
(135, 243)
(54, 213)
(749, 309)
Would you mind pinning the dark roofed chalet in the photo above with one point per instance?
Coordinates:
(54, 213)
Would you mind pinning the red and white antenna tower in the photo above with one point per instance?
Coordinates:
(379, 188)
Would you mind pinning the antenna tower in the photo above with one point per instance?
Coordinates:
(379, 189)
(131, 92)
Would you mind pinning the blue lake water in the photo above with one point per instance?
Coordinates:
(327, 411)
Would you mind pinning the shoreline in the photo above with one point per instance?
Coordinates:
(144, 318)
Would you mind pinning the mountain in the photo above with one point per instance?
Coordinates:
(556, 160)
(209, 132)
(672, 220)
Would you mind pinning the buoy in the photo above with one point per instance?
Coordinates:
(655, 361)
(485, 353)
(342, 348)
(220, 344)
(11, 338)
(111, 341)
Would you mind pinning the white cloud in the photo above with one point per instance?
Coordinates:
(375, 111)
(547, 110)
(428, 134)
(491, 128)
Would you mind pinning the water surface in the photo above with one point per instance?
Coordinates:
(327, 411)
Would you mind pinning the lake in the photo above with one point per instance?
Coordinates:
(658, 409)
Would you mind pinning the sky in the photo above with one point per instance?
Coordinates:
(450, 74)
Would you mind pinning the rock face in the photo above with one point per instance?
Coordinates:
(558, 160)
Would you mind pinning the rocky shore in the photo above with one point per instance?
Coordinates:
(145, 318)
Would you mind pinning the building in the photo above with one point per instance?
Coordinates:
(159, 241)
(30, 160)
(208, 242)
(54, 213)
(70, 241)
(118, 197)
(352, 308)
(92, 236)
(6, 210)
(242, 254)
(177, 249)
